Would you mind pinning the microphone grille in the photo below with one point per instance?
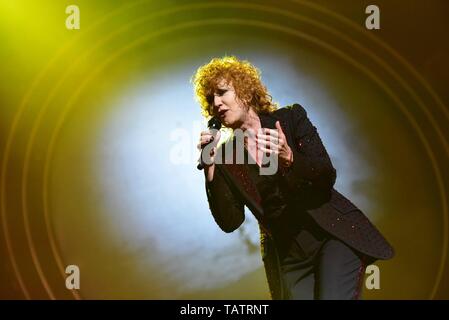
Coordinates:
(214, 123)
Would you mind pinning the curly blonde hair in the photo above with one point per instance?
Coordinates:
(244, 77)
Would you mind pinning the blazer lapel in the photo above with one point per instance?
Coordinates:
(238, 175)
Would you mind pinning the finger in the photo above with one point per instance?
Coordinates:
(271, 132)
(204, 142)
(201, 145)
(267, 138)
(280, 131)
(213, 131)
(205, 139)
(269, 151)
(277, 141)
(268, 144)
(205, 135)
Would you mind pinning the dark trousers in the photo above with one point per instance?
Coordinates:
(317, 266)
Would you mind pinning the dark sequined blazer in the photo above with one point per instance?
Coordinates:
(281, 201)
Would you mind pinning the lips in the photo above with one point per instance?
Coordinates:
(223, 113)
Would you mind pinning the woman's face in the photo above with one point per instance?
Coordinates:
(227, 106)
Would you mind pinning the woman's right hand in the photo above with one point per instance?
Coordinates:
(207, 137)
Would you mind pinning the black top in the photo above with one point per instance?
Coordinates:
(288, 221)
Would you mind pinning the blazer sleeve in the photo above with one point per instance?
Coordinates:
(311, 175)
(225, 205)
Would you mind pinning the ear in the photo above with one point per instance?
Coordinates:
(247, 103)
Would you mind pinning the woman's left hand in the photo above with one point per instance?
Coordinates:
(274, 141)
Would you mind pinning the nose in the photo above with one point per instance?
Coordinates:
(217, 101)
(218, 104)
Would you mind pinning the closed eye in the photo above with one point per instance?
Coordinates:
(220, 92)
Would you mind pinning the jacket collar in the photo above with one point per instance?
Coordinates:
(268, 120)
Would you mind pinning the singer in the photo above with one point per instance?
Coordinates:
(315, 243)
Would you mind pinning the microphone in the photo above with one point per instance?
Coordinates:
(213, 123)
